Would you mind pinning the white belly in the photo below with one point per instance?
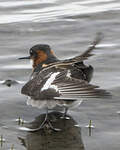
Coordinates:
(51, 104)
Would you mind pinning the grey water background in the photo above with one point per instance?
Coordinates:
(69, 27)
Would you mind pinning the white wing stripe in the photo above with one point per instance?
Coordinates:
(49, 81)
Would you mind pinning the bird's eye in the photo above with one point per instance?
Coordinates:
(31, 52)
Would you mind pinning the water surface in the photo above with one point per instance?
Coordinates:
(69, 27)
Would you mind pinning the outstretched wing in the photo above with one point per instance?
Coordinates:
(70, 62)
(59, 84)
(80, 58)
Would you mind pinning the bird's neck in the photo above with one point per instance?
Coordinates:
(44, 60)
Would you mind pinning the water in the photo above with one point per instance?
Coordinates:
(69, 27)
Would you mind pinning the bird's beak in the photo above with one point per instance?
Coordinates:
(28, 57)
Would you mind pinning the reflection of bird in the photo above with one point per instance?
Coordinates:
(59, 82)
(70, 139)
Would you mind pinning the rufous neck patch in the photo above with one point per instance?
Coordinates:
(41, 57)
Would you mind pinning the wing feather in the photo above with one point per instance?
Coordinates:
(74, 87)
(80, 58)
(66, 87)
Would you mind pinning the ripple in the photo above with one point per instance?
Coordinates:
(107, 45)
(10, 82)
(23, 3)
(55, 12)
(94, 1)
(8, 56)
(25, 66)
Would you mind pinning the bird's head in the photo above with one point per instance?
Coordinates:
(41, 54)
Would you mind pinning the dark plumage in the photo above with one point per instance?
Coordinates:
(70, 79)
(60, 82)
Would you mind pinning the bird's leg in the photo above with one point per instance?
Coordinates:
(46, 123)
(65, 113)
(45, 120)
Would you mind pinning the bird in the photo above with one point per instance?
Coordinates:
(62, 83)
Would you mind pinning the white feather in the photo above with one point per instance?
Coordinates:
(49, 82)
(68, 74)
(51, 104)
(42, 103)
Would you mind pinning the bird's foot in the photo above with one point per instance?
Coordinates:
(45, 124)
(64, 116)
(49, 125)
